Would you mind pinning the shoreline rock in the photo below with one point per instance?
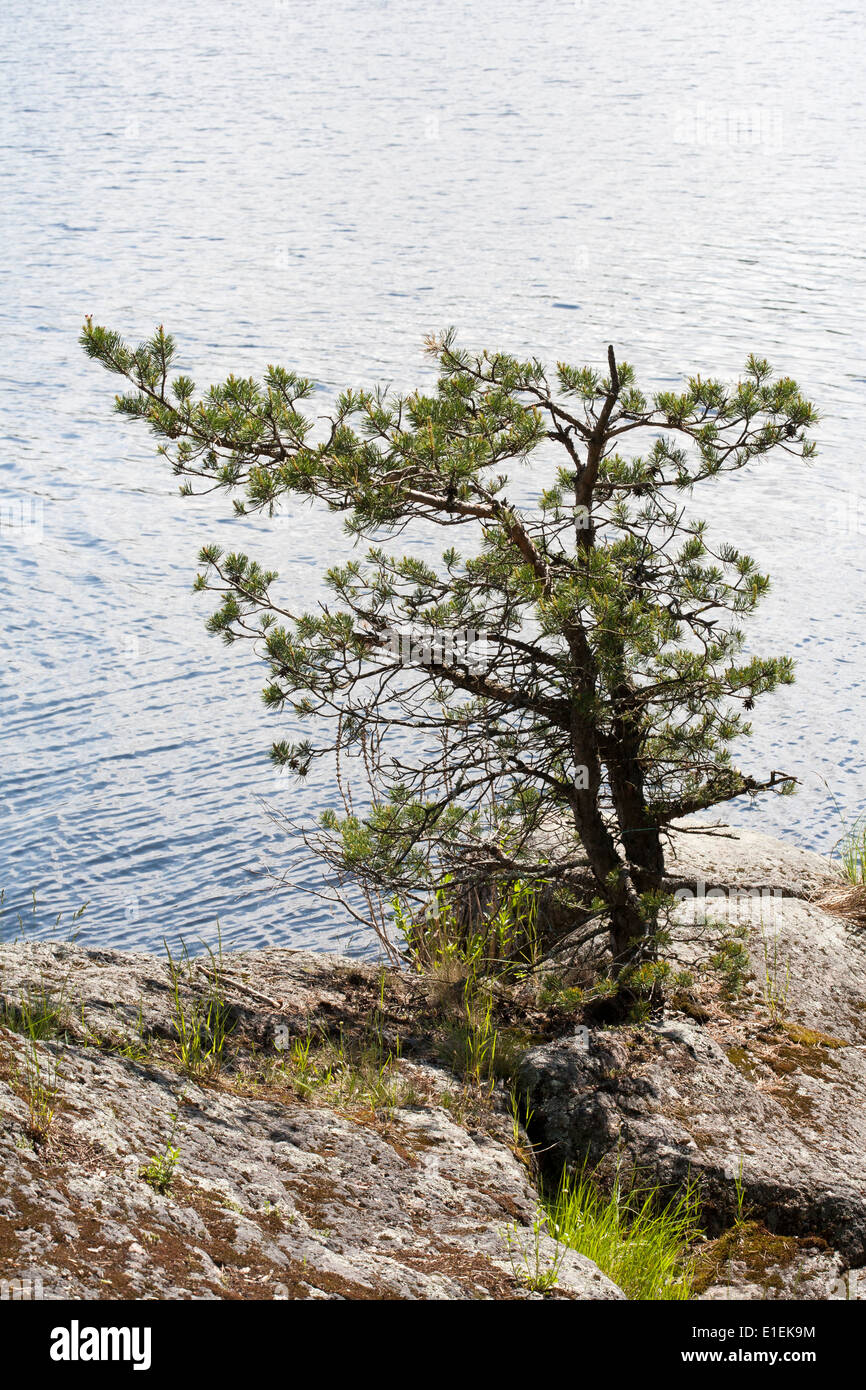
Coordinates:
(272, 1196)
(401, 1187)
(763, 1101)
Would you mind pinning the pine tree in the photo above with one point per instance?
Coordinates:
(610, 682)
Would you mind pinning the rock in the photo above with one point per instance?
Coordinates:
(812, 961)
(757, 1265)
(735, 859)
(397, 1187)
(672, 1107)
(770, 1091)
(274, 1195)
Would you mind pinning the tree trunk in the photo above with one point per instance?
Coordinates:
(640, 834)
(612, 875)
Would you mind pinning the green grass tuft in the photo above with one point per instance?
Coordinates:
(852, 851)
(635, 1235)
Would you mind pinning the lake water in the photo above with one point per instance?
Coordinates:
(321, 186)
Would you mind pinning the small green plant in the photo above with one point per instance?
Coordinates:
(229, 1203)
(138, 1048)
(851, 850)
(33, 924)
(646, 983)
(480, 1038)
(204, 1024)
(521, 1116)
(498, 935)
(776, 981)
(42, 1083)
(730, 960)
(350, 1072)
(301, 1065)
(532, 1262)
(472, 1045)
(635, 1234)
(553, 994)
(38, 1013)
(118, 1042)
(159, 1171)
